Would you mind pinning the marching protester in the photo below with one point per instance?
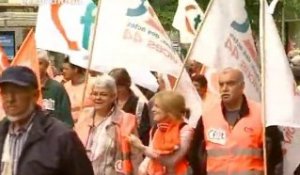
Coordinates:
(169, 139)
(104, 129)
(194, 68)
(112, 124)
(75, 84)
(33, 141)
(208, 98)
(130, 103)
(232, 133)
(55, 97)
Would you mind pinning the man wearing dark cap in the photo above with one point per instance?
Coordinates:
(32, 141)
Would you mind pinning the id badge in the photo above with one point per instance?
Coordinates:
(217, 136)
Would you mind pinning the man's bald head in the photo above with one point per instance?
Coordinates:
(235, 73)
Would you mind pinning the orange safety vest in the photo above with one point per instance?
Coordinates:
(155, 167)
(237, 150)
(127, 127)
(209, 101)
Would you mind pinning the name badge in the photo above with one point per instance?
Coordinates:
(216, 136)
(48, 104)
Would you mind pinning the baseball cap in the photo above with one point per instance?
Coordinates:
(19, 75)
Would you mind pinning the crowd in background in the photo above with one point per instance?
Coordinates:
(111, 130)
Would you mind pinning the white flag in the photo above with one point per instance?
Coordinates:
(187, 19)
(65, 28)
(225, 40)
(130, 35)
(141, 77)
(282, 96)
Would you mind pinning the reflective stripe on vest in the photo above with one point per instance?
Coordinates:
(252, 172)
(257, 152)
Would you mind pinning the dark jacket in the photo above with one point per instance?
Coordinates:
(198, 155)
(56, 92)
(50, 149)
(297, 171)
(144, 125)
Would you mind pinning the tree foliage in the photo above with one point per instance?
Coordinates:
(165, 10)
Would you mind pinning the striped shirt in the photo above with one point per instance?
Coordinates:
(101, 152)
(16, 141)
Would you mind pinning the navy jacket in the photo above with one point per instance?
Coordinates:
(50, 149)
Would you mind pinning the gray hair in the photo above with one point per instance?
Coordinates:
(43, 54)
(106, 81)
(236, 71)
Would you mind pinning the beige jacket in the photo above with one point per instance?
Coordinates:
(105, 155)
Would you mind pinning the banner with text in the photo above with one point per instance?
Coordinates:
(225, 40)
(134, 38)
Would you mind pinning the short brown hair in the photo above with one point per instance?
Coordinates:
(121, 76)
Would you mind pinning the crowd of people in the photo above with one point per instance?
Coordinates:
(110, 130)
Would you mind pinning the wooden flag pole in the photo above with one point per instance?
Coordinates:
(90, 57)
(202, 71)
(283, 22)
(263, 75)
(192, 45)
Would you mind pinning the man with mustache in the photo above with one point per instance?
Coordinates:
(33, 141)
(231, 133)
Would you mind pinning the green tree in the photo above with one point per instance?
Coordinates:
(165, 10)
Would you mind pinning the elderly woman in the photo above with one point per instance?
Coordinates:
(169, 138)
(104, 130)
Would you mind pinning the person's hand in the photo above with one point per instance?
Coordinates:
(135, 141)
(142, 171)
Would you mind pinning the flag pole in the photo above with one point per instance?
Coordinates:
(263, 75)
(202, 71)
(283, 22)
(90, 57)
(192, 45)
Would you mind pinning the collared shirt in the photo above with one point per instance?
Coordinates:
(17, 141)
(102, 152)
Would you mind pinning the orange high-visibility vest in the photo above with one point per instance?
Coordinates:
(237, 150)
(209, 101)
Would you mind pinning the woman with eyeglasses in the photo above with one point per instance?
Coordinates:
(169, 138)
(104, 129)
